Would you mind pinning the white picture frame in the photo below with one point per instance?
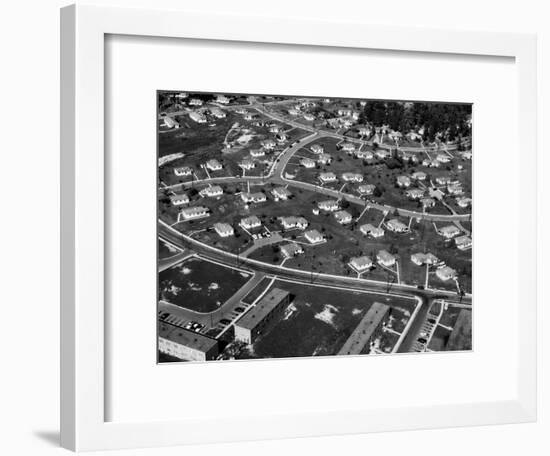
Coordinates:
(83, 397)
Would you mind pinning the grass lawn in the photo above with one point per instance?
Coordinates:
(165, 250)
(461, 337)
(200, 285)
(318, 321)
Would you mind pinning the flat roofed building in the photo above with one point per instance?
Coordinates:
(178, 200)
(213, 191)
(449, 231)
(385, 258)
(363, 334)
(186, 345)
(352, 177)
(314, 237)
(396, 226)
(190, 213)
(257, 320)
(291, 250)
(463, 242)
(251, 221)
(281, 193)
(361, 264)
(327, 177)
(183, 171)
(224, 229)
(213, 165)
(342, 217)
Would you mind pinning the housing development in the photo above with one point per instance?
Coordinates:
(311, 226)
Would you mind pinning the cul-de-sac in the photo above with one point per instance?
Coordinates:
(293, 226)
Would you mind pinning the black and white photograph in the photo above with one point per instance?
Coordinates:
(306, 226)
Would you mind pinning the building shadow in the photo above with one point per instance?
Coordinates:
(50, 437)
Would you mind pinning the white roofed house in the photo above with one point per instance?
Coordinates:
(191, 213)
(222, 99)
(291, 222)
(374, 231)
(382, 153)
(413, 136)
(395, 135)
(195, 102)
(443, 158)
(364, 131)
(224, 229)
(463, 242)
(293, 112)
(171, 123)
(466, 155)
(360, 264)
(327, 177)
(314, 237)
(212, 191)
(396, 226)
(449, 231)
(364, 154)
(291, 250)
(414, 193)
(427, 202)
(329, 205)
(455, 188)
(424, 258)
(442, 180)
(344, 112)
(255, 153)
(347, 147)
(403, 181)
(385, 258)
(307, 163)
(309, 117)
(281, 193)
(317, 148)
(183, 171)
(178, 200)
(342, 217)
(445, 273)
(431, 163)
(419, 175)
(463, 201)
(247, 164)
(275, 128)
(409, 156)
(281, 137)
(352, 177)
(366, 189)
(324, 159)
(256, 197)
(218, 113)
(197, 117)
(269, 144)
(213, 165)
(250, 222)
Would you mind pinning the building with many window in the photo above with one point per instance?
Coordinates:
(365, 332)
(260, 318)
(186, 345)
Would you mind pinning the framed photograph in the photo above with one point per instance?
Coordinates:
(275, 228)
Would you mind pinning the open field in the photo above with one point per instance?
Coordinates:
(199, 285)
(318, 321)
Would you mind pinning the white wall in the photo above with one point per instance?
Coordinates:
(29, 288)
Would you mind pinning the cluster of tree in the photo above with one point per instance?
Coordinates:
(449, 120)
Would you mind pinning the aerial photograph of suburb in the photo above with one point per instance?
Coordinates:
(298, 226)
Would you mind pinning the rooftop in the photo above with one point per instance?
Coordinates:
(364, 330)
(187, 338)
(262, 309)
